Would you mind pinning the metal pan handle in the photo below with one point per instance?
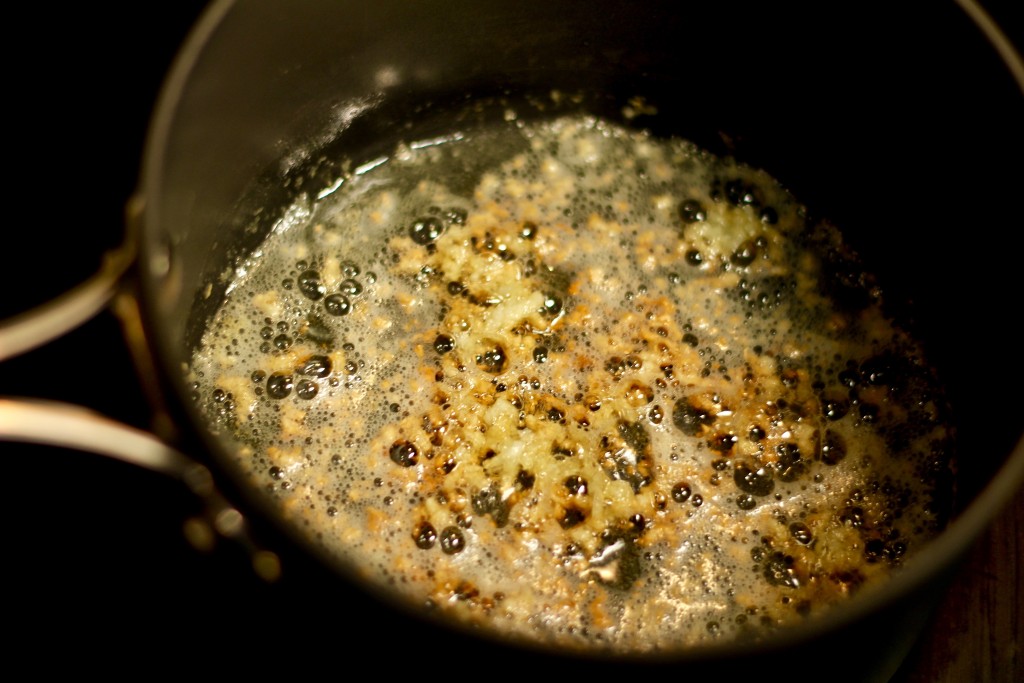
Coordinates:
(56, 318)
(78, 428)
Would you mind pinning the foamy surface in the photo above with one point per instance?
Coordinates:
(580, 385)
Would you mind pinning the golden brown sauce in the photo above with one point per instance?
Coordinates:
(580, 385)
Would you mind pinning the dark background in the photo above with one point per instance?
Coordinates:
(94, 562)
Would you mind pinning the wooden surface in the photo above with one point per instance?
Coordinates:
(977, 634)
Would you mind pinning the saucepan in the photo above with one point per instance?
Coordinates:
(900, 126)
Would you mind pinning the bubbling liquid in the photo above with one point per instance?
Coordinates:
(580, 385)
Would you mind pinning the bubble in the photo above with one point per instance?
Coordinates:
(874, 550)
(305, 389)
(740, 193)
(689, 419)
(443, 343)
(279, 385)
(692, 211)
(486, 500)
(311, 286)
(681, 492)
(758, 482)
(745, 254)
(790, 466)
(835, 408)
(885, 370)
(424, 536)
(853, 515)
(745, 501)
(452, 540)
(833, 448)
(576, 485)
(426, 230)
(779, 571)
(868, 412)
(571, 517)
(337, 304)
(315, 366)
(350, 287)
(493, 360)
(552, 305)
(801, 533)
(404, 453)
(723, 443)
(639, 394)
(616, 365)
(849, 378)
(455, 215)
